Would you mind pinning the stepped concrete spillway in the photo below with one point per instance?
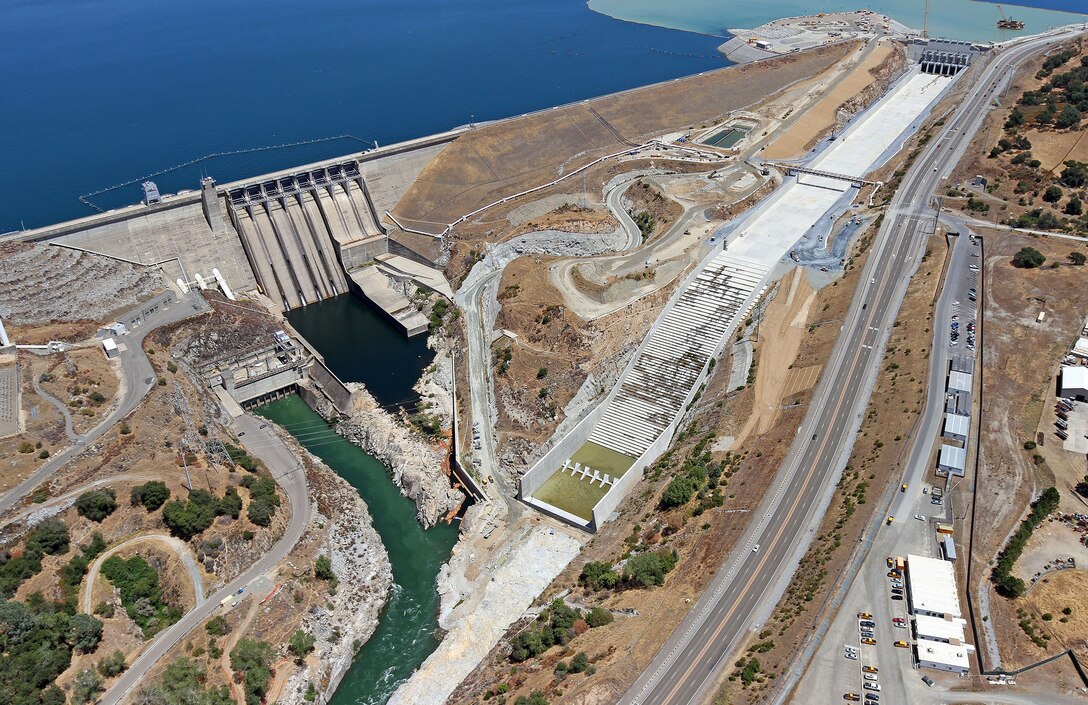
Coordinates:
(637, 419)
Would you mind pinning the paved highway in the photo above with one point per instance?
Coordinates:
(137, 379)
(686, 668)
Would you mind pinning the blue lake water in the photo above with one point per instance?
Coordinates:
(98, 92)
(953, 19)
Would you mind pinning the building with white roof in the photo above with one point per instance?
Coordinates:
(952, 460)
(931, 587)
(956, 426)
(959, 381)
(944, 657)
(110, 347)
(1075, 382)
(1080, 348)
(949, 631)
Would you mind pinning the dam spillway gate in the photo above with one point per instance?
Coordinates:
(302, 231)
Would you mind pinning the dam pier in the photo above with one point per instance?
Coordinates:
(296, 236)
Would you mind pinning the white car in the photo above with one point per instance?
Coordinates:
(755, 549)
(872, 686)
(870, 676)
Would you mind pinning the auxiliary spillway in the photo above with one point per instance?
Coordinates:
(586, 474)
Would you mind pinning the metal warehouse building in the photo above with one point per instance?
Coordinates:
(939, 627)
(931, 586)
(956, 426)
(953, 460)
(944, 657)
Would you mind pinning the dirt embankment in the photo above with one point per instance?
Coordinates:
(507, 157)
(1021, 357)
(853, 93)
(652, 211)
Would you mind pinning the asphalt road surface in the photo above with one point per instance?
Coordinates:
(686, 668)
(290, 475)
(138, 377)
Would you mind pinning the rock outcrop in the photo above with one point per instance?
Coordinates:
(419, 468)
(341, 529)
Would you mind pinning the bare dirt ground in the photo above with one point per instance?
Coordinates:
(829, 111)
(85, 381)
(1020, 359)
(550, 338)
(643, 197)
(1054, 595)
(507, 157)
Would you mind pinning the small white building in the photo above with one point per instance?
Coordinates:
(110, 347)
(959, 381)
(117, 328)
(944, 657)
(1075, 382)
(931, 587)
(1080, 349)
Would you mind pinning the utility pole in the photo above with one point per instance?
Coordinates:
(925, 23)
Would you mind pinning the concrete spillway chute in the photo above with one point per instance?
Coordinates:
(4, 342)
(223, 284)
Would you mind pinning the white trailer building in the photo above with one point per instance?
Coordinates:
(1075, 382)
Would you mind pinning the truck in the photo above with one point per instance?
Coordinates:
(900, 563)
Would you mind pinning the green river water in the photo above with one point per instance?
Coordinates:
(408, 630)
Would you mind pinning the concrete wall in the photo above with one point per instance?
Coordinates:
(337, 392)
(152, 234)
(363, 252)
(553, 459)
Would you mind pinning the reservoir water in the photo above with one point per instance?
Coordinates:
(408, 630)
(361, 345)
(99, 93)
(968, 20)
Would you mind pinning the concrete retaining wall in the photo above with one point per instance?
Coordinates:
(363, 252)
(532, 480)
(336, 391)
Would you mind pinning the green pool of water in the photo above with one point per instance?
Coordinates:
(408, 629)
(726, 138)
(575, 494)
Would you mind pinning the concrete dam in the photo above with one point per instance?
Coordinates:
(296, 236)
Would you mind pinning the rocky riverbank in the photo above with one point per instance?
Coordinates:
(341, 529)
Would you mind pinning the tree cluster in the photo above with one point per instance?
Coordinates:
(151, 495)
(253, 660)
(263, 499)
(1005, 582)
(141, 595)
(555, 625)
(97, 504)
(47, 538)
(187, 518)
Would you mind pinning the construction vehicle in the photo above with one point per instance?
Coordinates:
(1008, 22)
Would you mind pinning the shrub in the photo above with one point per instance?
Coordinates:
(300, 644)
(141, 596)
(1028, 258)
(1005, 582)
(217, 626)
(253, 659)
(151, 495)
(112, 665)
(263, 501)
(598, 576)
(84, 633)
(98, 504)
(649, 569)
(598, 617)
(86, 686)
(1053, 194)
(323, 568)
(1077, 258)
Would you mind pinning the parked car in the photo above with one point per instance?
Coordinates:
(871, 686)
(852, 697)
(901, 644)
(870, 669)
(868, 641)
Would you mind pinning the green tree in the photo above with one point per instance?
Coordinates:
(533, 698)
(1077, 258)
(84, 632)
(323, 568)
(1069, 117)
(598, 617)
(598, 576)
(1028, 258)
(253, 659)
(1075, 174)
(579, 663)
(183, 684)
(151, 495)
(112, 665)
(649, 569)
(300, 644)
(217, 626)
(86, 687)
(97, 504)
(1073, 207)
(1053, 194)
(679, 492)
